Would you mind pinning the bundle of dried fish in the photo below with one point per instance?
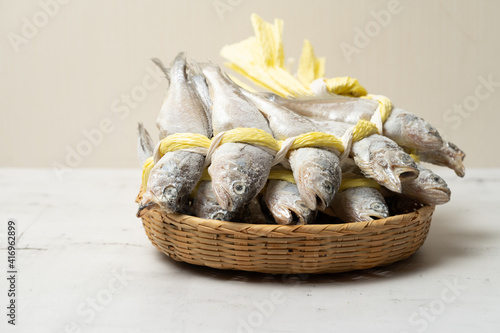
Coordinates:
(316, 171)
(337, 116)
(239, 171)
(175, 175)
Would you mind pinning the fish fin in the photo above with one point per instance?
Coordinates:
(145, 145)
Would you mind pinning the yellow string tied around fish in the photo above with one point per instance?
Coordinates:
(281, 174)
(359, 182)
(316, 139)
(179, 141)
(287, 175)
(346, 86)
(253, 136)
(363, 129)
(414, 154)
(146, 169)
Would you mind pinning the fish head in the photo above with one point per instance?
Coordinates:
(293, 212)
(420, 134)
(206, 206)
(428, 188)
(236, 178)
(392, 167)
(285, 204)
(171, 181)
(457, 157)
(317, 185)
(364, 204)
(317, 174)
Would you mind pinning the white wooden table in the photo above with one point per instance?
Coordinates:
(84, 264)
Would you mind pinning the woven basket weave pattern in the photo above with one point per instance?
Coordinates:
(277, 249)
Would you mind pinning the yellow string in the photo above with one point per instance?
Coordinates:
(253, 136)
(385, 105)
(317, 139)
(346, 86)
(146, 169)
(180, 141)
(281, 174)
(360, 182)
(363, 129)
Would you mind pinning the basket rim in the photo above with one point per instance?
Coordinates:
(270, 230)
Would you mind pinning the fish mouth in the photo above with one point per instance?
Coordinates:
(459, 168)
(439, 196)
(373, 215)
(289, 215)
(389, 179)
(312, 199)
(223, 198)
(143, 208)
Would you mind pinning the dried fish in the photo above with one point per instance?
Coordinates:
(358, 204)
(383, 160)
(206, 206)
(410, 131)
(333, 107)
(316, 171)
(378, 157)
(285, 204)
(175, 175)
(448, 155)
(428, 188)
(238, 170)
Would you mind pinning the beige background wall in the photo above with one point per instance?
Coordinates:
(72, 74)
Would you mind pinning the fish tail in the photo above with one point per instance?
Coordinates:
(162, 67)
(144, 144)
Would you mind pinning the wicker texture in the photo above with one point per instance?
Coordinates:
(277, 249)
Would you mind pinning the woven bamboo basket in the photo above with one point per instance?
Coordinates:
(280, 249)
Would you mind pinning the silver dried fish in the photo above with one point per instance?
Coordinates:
(428, 188)
(238, 170)
(410, 131)
(316, 171)
(333, 107)
(285, 204)
(448, 155)
(358, 204)
(175, 175)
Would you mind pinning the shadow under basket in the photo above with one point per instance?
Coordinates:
(282, 249)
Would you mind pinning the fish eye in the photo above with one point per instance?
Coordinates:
(328, 187)
(431, 129)
(376, 206)
(170, 192)
(218, 216)
(239, 188)
(437, 179)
